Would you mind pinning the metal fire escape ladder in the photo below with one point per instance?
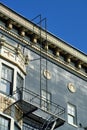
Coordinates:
(31, 103)
(43, 61)
(47, 123)
(50, 123)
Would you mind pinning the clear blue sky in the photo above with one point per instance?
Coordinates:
(67, 19)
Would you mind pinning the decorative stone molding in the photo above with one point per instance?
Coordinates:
(71, 87)
(68, 58)
(18, 50)
(57, 60)
(34, 38)
(57, 51)
(9, 24)
(47, 74)
(22, 32)
(5, 106)
(14, 55)
(18, 20)
(2, 39)
(45, 44)
(46, 47)
(79, 64)
(53, 41)
(26, 60)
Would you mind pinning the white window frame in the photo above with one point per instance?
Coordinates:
(72, 117)
(45, 100)
(7, 83)
(4, 122)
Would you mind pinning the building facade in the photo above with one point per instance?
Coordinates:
(43, 80)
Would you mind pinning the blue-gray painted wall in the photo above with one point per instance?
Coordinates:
(57, 86)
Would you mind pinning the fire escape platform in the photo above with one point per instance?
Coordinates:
(27, 108)
(34, 114)
(41, 122)
(30, 114)
(37, 116)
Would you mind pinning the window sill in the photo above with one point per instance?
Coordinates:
(73, 125)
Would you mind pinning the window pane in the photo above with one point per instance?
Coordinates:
(71, 110)
(71, 114)
(6, 79)
(4, 123)
(19, 81)
(46, 97)
(7, 73)
(19, 85)
(5, 86)
(70, 119)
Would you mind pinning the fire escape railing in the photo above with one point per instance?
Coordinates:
(30, 104)
(35, 99)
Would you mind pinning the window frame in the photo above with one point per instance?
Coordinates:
(7, 119)
(45, 101)
(18, 88)
(18, 75)
(5, 80)
(72, 114)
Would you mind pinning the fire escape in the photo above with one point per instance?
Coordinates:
(30, 103)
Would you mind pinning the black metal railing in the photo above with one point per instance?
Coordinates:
(28, 127)
(50, 112)
(40, 102)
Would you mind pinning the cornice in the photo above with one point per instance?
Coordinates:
(58, 46)
(22, 22)
(64, 64)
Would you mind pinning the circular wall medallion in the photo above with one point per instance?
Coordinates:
(71, 88)
(47, 74)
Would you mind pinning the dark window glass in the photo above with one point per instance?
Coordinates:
(19, 86)
(16, 127)
(19, 81)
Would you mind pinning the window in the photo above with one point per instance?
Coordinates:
(46, 99)
(19, 86)
(4, 123)
(19, 81)
(71, 114)
(6, 80)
